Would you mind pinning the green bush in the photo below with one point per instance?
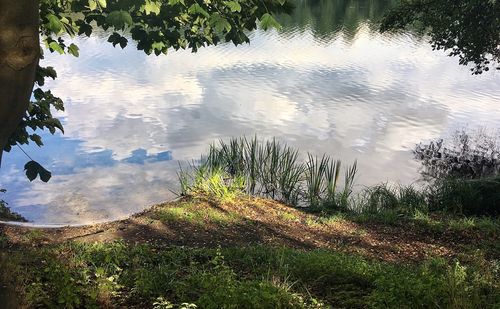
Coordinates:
(470, 197)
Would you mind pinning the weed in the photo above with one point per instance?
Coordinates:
(4, 240)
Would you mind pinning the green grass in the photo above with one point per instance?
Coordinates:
(33, 235)
(286, 216)
(487, 226)
(193, 213)
(116, 274)
(152, 276)
(215, 184)
(3, 240)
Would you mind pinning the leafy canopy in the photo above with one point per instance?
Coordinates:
(155, 25)
(469, 29)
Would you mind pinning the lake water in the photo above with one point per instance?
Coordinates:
(328, 82)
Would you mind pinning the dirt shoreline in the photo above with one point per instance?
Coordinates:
(253, 221)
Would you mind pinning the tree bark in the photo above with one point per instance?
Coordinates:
(19, 56)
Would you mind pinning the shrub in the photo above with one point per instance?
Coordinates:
(474, 197)
(7, 214)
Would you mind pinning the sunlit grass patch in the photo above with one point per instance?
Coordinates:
(195, 212)
(462, 224)
(313, 222)
(287, 216)
(327, 220)
(485, 225)
(33, 235)
(337, 218)
(214, 184)
(490, 226)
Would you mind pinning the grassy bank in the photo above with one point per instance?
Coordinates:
(255, 253)
(274, 170)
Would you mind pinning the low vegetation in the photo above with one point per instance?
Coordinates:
(273, 170)
(268, 169)
(117, 274)
(6, 214)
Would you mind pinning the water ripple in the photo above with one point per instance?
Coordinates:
(324, 85)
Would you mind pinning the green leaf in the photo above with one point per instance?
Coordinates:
(197, 9)
(54, 122)
(115, 38)
(219, 23)
(123, 42)
(174, 2)
(118, 19)
(267, 21)
(56, 47)
(152, 7)
(234, 6)
(34, 169)
(74, 50)
(49, 72)
(92, 5)
(102, 3)
(37, 139)
(55, 25)
(85, 29)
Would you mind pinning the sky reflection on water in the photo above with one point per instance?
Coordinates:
(353, 94)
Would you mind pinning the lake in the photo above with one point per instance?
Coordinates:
(328, 82)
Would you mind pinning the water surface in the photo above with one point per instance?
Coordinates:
(328, 82)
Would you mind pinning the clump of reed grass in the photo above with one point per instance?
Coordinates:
(271, 169)
(395, 198)
(214, 183)
(322, 182)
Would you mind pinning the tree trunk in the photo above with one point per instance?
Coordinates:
(19, 56)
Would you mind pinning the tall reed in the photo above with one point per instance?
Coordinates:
(272, 169)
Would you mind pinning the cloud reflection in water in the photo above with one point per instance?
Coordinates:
(129, 117)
